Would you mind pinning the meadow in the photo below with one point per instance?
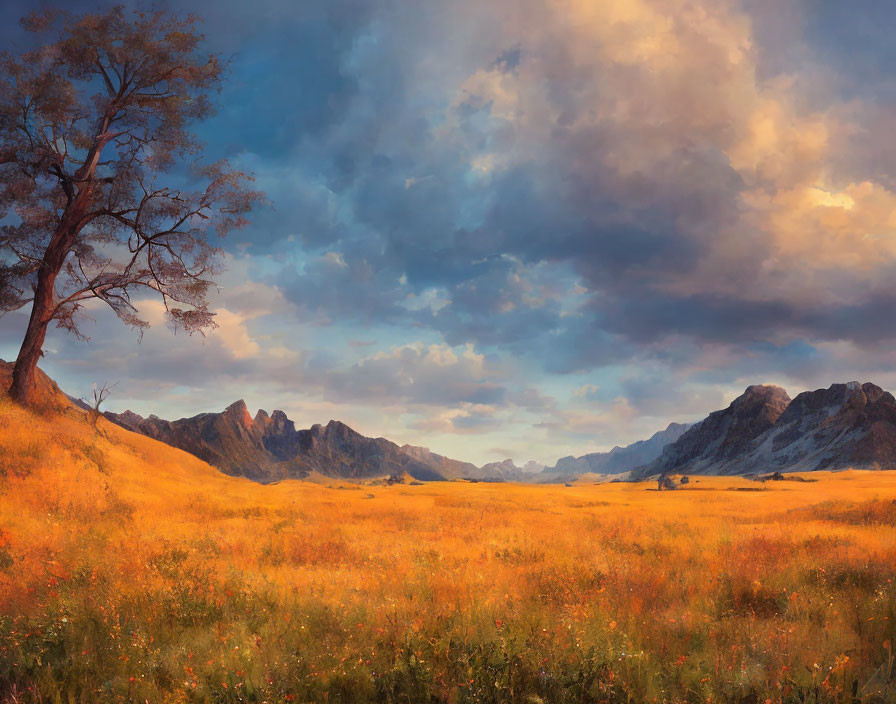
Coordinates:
(133, 572)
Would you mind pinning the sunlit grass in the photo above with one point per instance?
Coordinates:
(130, 571)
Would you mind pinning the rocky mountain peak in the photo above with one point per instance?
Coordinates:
(239, 412)
(336, 428)
(280, 424)
(874, 393)
(130, 418)
(835, 399)
(269, 448)
(752, 413)
(724, 435)
(773, 398)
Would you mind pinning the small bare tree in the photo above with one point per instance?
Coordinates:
(89, 123)
(100, 394)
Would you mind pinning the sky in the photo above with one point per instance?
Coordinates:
(530, 228)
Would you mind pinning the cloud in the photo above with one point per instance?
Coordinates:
(595, 424)
(419, 374)
(469, 419)
(633, 149)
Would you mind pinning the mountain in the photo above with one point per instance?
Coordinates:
(269, 448)
(619, 459)
(532, 467)
(709, 447)
(845, 426)
(848, 425)
(507, 471)
(445, 466)
(504, 471)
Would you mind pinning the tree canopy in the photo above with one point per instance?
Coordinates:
(102, 194)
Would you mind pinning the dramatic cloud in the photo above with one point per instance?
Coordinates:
(639, 153)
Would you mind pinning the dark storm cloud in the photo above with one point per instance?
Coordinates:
(729, 320)
(410, 205)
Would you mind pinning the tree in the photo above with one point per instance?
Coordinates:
(664, 483)
(100, 394)
(90, 122)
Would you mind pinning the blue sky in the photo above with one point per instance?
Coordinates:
(532, 228)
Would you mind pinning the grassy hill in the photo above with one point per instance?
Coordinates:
(133, 572)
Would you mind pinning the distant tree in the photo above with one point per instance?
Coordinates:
(89, 123)
(664, 483)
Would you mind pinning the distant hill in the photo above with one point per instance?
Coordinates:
(508, 471)
(618, 460)
(269, 448)
(849, 425)
(504, 471)
(444, 466)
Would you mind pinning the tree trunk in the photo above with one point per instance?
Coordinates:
(24, 373)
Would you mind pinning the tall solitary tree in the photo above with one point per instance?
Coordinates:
(99, 172)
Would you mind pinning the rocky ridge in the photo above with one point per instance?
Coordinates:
(268, 448)
(848, 425)
(618, 460)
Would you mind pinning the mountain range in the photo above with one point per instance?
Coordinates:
(618, 460)
(763, 430)
(849, 425)
(269, 448)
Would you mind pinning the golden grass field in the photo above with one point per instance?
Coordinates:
(133, 572)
